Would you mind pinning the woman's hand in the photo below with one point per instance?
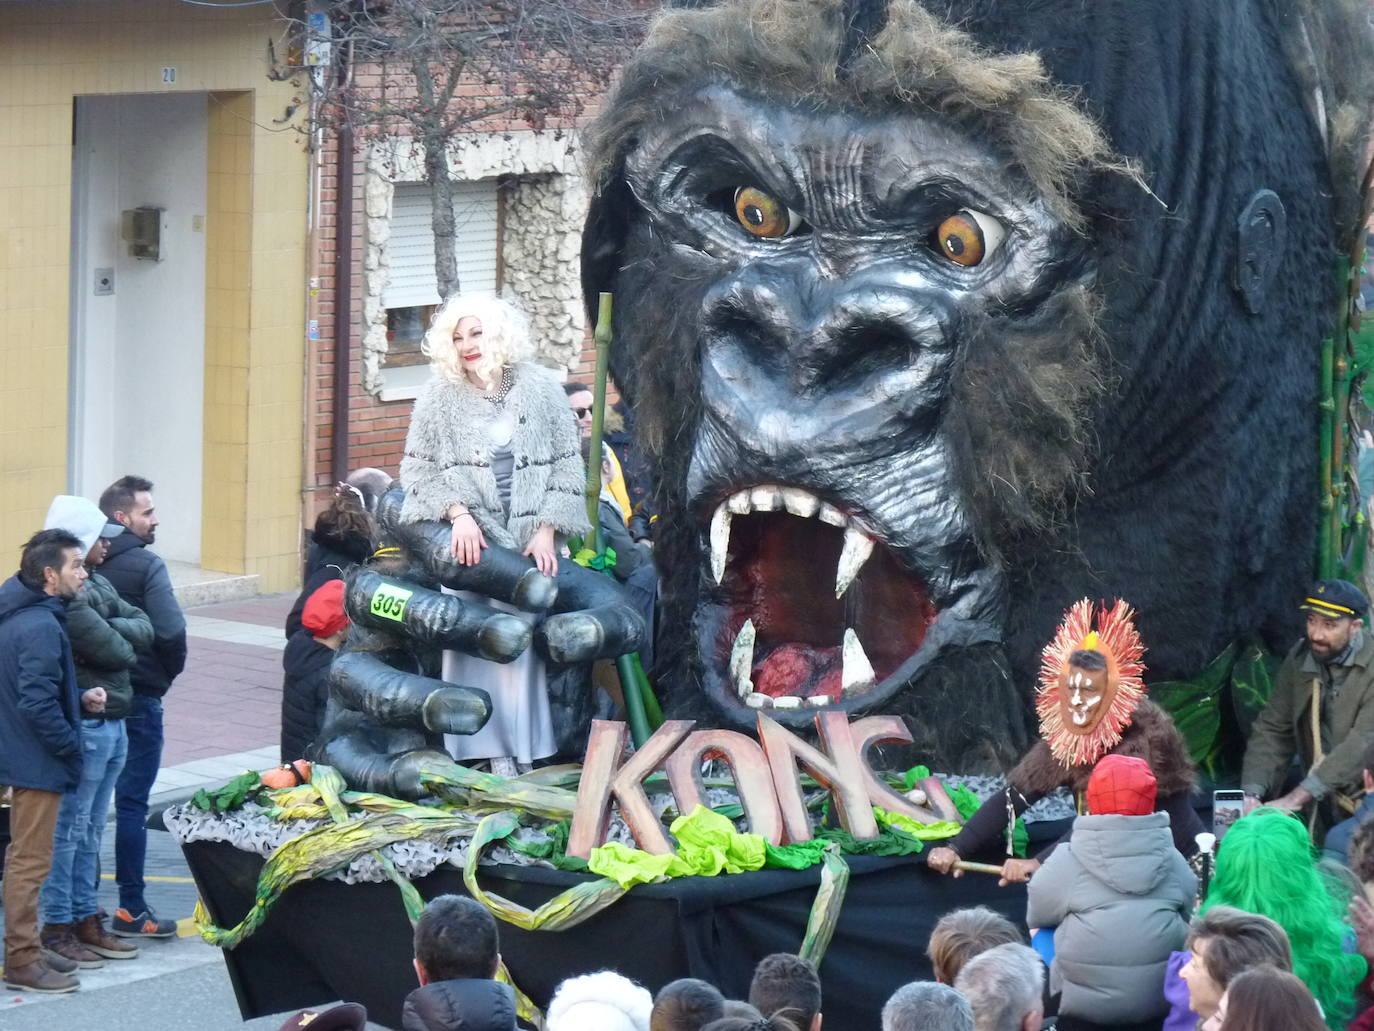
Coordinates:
(1018, 871)
(467, 540)
(541, 549)
(93, 700)
(942, 860)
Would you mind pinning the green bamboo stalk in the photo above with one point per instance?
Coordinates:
(603, 354)
(1326, 406)
(634, 700)
(651, 707)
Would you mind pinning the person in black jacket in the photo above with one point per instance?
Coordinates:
(40, 740)
(104, 631)
(344, 536)
(141, 579)
(457, 955)
(306, 660)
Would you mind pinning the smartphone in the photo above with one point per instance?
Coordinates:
(1227, 807)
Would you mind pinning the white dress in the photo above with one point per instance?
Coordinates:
(521, 724)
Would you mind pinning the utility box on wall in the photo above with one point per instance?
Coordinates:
(142, 229)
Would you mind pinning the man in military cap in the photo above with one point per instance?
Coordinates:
(1321, 709)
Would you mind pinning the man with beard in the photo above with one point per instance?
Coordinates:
(40, 741)
(141, 579)
(1331, 669)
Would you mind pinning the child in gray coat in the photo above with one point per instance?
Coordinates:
(1118, 895)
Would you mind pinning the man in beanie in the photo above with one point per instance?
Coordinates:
(306, 661)
(104, 631)
(1321, 711)
(1118, 895)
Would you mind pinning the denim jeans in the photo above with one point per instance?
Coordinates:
(144, 726)
(69, 892)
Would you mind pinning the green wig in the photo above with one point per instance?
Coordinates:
(1265, 866)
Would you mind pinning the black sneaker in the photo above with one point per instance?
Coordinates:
(142, 925)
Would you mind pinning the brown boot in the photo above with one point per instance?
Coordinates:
(59, 962)
(58, 938)
(91, 933)
(39, 977)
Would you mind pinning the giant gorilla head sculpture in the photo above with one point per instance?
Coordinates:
(936, 319)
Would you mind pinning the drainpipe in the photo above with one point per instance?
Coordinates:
(343, 293)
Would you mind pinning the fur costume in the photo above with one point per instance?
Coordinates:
(447, 459)
(1164, 186)
(1151, 736)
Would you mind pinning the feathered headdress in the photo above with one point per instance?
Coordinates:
(1118, 641)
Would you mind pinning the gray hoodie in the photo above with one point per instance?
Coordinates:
(1118, 894)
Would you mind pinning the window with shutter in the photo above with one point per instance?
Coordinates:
(411, 293)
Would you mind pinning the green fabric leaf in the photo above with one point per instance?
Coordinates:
(709, 843)
(797, 856)
(917, 829)
(600, 562)
(229, 797)
(965, 801)
(1252, 681)
(629, 866)
(911, 776)
(1195, 704)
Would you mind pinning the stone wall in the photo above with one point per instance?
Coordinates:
(543, 204)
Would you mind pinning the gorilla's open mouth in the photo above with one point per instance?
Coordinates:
(812, 608)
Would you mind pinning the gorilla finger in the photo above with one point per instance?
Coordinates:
(601, 633)
(394, 699)
(456, 710)
(434, 619)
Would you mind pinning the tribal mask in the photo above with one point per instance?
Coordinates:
(1090, 682)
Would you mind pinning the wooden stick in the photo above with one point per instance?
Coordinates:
(964, 864)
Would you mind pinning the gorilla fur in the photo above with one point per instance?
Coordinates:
(1115, 421)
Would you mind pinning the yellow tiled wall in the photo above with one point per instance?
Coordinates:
(52, 52)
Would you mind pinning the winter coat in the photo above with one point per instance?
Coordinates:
(141, 579)
(304, 693)
(448, 459)
(329, 558)
(467, 1005)
(40, 707)
(1283, 728)
(1119, 895)
(1337, 843)
(105, 630)
(630, 554)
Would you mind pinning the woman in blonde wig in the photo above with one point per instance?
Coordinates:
(493, 450)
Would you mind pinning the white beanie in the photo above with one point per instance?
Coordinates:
(604, 1001)
(80, 518)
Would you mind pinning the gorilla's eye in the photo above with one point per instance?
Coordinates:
(968, 236)
(763, 214)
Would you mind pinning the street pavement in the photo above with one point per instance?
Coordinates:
(222, 716)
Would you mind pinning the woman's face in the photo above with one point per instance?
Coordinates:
(467, 339)
(1204, 994)
(1218, 1019)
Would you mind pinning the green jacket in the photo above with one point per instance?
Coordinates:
(1284, 728)
(106, 631)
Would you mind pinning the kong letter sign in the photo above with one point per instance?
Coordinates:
(766, 777)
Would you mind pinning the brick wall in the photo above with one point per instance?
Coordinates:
(376, 429)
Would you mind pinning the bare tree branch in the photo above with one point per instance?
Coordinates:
(428, 71)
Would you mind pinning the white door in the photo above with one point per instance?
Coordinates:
(138, 325)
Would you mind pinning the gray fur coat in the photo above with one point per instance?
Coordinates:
(448, 458)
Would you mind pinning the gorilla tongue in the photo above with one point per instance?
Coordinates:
(780, 578)
(799, 669)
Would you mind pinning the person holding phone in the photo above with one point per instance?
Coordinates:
(1321, 711)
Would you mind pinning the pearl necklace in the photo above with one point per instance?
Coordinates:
(503, 391)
